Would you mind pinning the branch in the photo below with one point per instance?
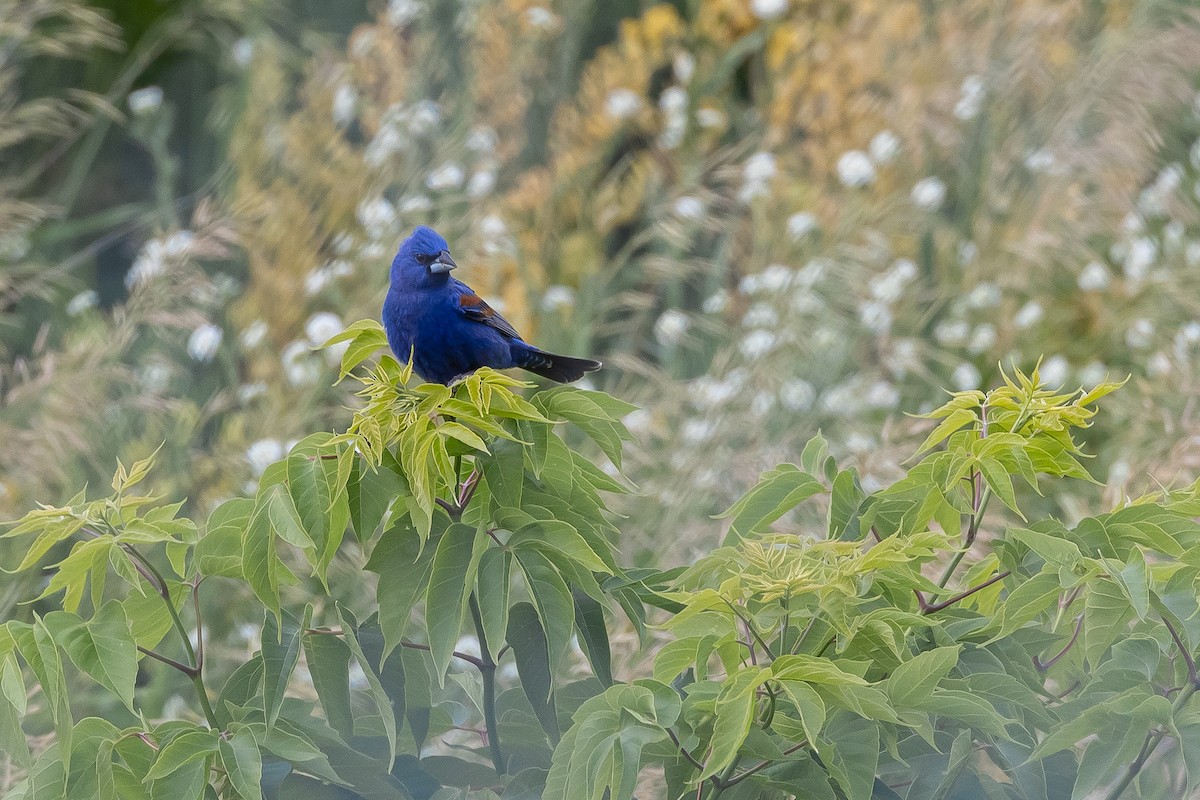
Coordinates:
(179, 665)
(933, 608)
(1042, 666)
(759, 767)
(1187, 656)
(487, 670)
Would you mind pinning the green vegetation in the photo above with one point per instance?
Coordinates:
(821, 663)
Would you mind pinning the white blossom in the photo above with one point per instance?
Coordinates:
(697, 431)
(983, 339)
(155, 376)
(876, 318)
(761, 315)
(249, 392)
(882, 394)
(1093, 373)
(345, 100)
(1040, 160)
(688, 207)
(482, 139)
(402, 12)
(855, 169)
(716, 302)
(1094, 277)
(684, 66)
(1029, 315)
(967, 252)
(884, 147)
(639, 421)
(768, 9)
(929, 193)
(424, 117)
(671, 326)
(622, 103)
(387, 142)
(1140, 334)
(541, 18)
(709, 393)
(762, 403)
(321, 327)
(1141, 256)
(145, 100)
(984, 295)
(416, 204)
(557, 298)
(757, 344)
(203, 343)
(966, 377)
(800, 225)
(150, 262)
(797, 394)
(1159, 365)
(300, 367)
(446, 176)
(316, 281)
(82, 302)
(262, 454)
(254, 334)
(952, 332)
(481, 183)
(1054, 371)
(377, 216)
(242, 52)
(709, 117)
(759, 167)
(970, 98)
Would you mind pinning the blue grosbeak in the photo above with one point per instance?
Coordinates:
(448, 330)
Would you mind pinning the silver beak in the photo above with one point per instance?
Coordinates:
(443, 263)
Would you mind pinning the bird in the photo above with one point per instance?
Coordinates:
(447, 330)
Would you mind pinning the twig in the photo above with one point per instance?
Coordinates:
(1187, 656)
(487, 670)
(933, 608)
(1042, 666)
(179, 665)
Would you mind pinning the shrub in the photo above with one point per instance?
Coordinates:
(903, 648)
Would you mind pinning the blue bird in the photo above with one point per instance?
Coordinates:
(448, 330)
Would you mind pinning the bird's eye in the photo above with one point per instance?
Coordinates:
(424, 258)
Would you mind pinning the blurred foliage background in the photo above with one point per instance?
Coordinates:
(769, 217)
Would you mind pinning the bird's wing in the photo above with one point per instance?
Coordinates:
(475, 309)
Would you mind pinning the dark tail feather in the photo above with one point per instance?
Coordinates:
(562, 369)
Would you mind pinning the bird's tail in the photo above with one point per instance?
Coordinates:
(562, 369)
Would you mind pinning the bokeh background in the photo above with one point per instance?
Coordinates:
(769, 218)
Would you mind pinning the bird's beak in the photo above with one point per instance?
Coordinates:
(443, 263)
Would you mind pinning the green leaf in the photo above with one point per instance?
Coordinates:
(280, 654)
(449, 585)
(528, 641)
(844, 506)
(809, 706)
(380, 697)
(551, 598)
(183, 750)
(778, 491)
(328, 661)
(403, 566)
(219, 550)
(965, 707)
(593, 636)
(260, 560)
(850, 747)
(734, 714)
(243, 764)
(493, 586)
(913, 682)
(1029, 600)
(371, 493)
(504, 473)
(104, 649)
(1134, 578)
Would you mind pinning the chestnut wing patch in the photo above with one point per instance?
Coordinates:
(476, 309)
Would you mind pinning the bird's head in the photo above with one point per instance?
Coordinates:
(423, 259)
